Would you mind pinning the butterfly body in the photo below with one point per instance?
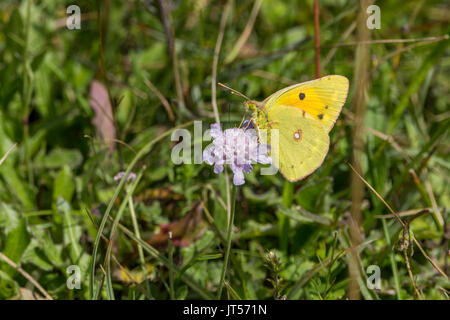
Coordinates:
(303, 115)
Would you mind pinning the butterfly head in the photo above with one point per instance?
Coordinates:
(254, 106)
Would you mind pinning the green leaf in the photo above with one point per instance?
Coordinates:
(8, 287)
(52, 251)
(310, 197)
(8, 217)
(60, 157)
(63, 186)
(14, 32)
(17, 241)
(267, 198)
(35, 255)
(210, 256)
(301, 215)
(72, 231)
(182, 292)
(17, 185)
(416, 81)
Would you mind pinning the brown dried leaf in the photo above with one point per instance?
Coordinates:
(104, 118)
(27, 294)
(183, 231)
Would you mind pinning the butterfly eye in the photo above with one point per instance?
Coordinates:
(298, 135)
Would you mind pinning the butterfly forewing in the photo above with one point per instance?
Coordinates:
(322, 98)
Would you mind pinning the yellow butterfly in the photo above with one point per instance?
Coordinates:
(303, 114)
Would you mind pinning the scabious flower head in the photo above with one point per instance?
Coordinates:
(131, 176)
(237, 147)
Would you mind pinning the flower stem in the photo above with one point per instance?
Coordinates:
(283, 221)
(138, 235)
(27, 91)
(136, 230)
(392, 260)
(171, 286)
(228, 244)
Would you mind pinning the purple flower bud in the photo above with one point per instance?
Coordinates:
(131, 176)
(247, 124)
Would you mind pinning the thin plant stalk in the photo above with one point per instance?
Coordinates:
(171, 44)
(223, 23)
(136, 229)
(27, 90)
(107, 264)
(230, 198)
(171, 285)
(283, 221)
(245, 34)
(7, 153)
(138, 235)
(228, 245)
(392, 259)
(356, 185)
(136, 158)
(26, 275)
(317, 38)
(203, 292)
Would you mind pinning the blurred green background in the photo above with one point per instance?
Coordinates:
(154, 61)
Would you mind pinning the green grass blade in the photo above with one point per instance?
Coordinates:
(136, 158)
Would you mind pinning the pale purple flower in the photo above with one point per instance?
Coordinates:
(237, 147)
(131, 176)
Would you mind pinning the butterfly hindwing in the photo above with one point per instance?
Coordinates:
(303, 142)
(322, 98)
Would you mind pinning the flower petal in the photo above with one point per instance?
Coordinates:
(264, 159)
(218, 168)
(208, 154)
(215, 130)
(262, 156)
(248, 168)
(238, 178)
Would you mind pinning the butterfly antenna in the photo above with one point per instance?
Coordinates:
(235, 92)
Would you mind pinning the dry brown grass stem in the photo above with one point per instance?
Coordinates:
(397, 217)
(223, 23)
(356, 186)
(410, 274)
(7, 153)
(333, 51)
(161, 98)
(245, 34)
(388, 41)
(317, 38)
(170, 34)
(26, 275)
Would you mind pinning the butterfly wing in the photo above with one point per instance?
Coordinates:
(303, 142)
(322, 98)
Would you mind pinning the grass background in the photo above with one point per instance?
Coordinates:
(155, 62)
